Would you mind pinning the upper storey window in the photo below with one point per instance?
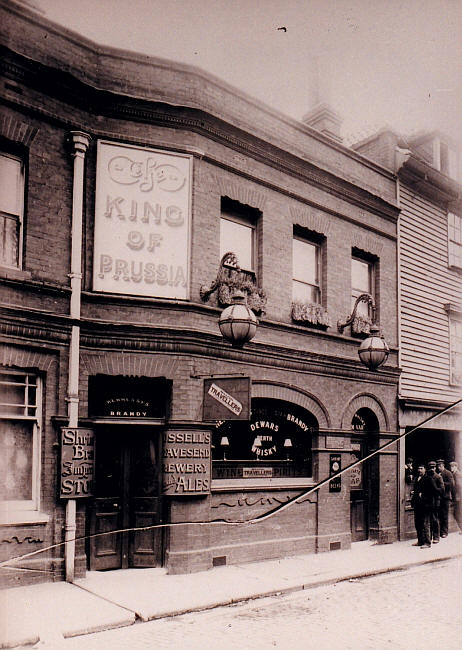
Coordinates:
(11, 210)
(455, 331)
(237, 235)
(362, 281)
(306, 263)
(445, 158)
(455, 240)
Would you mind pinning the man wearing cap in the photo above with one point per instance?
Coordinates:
(457, 493)
(438, 491)
(446, 497)
(423, 499)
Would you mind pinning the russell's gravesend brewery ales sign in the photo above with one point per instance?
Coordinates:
(142, 222)
(186, 462)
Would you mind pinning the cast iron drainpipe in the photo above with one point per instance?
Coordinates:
(80, 142)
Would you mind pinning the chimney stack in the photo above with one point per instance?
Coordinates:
(324, 119)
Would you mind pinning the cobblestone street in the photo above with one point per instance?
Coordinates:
(416, 608)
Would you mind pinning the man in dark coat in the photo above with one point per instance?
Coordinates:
(438, 487)
(446, 497)
(457, 493)
(424, 497)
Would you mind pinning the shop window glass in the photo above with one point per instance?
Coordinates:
(275, 444)
(11, 209)
(19, 440)
(306, 271)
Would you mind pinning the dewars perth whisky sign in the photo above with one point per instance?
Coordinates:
(142, 222)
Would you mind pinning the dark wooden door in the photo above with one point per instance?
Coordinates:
(127, 499)
(358, 495)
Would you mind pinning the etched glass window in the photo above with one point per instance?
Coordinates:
(19, 441)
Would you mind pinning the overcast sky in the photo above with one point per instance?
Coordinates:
(395, 62)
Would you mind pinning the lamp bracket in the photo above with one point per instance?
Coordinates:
(364, 297)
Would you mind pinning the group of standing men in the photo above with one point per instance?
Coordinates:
(434, 488)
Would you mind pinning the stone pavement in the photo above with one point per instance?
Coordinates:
(104, 600)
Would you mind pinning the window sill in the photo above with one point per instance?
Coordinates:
(26, 517)
(224, 485)
(14, 274)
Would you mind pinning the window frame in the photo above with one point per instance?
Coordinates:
(454, 261)
(455, 351)
(317, 245)
(274, 412)
(445, 158)
(33, 504)
(249, 223)
(372, 275)
(19, 217)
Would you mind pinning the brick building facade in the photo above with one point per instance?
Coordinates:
(131, 178)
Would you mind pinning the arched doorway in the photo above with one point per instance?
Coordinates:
(364, 478)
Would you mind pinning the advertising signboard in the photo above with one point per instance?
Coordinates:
(226, 398)
(186, 463)
(335, 465)
(142, 221)
(77, 463)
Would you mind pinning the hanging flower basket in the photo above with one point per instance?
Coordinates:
(310, 312)
(361, 325)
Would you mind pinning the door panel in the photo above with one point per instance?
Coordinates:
(145, 545)
(127, 489)
(106, 549)
(358, 496)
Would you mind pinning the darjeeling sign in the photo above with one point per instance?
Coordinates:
(142, 221)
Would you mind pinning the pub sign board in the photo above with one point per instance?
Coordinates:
(335, 465)
(122, 397)
(77, 463)
(226, 398)
(186, 463)
(142, 221)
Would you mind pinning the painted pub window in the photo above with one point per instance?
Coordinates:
(275, 444)
(19, 439)
(11, 210)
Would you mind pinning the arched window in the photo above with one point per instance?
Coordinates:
(275, 444)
